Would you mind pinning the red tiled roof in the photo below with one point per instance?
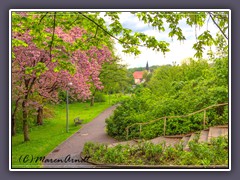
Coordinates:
(138, 74)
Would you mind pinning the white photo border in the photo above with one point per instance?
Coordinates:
(113, 10)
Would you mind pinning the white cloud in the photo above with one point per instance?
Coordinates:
(178, 50)
(177, 54)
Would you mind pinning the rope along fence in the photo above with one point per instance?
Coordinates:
(171, 117)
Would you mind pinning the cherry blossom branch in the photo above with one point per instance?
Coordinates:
(54, 87)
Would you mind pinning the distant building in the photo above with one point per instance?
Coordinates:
(138, 75)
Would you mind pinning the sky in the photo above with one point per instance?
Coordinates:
(178, 50)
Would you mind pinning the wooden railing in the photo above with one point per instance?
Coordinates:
(170, 117)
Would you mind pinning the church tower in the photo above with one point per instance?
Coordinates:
(147, 67)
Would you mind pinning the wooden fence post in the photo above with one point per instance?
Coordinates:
(127, 133)
(204, 119)
(140, 130)
(164, 130)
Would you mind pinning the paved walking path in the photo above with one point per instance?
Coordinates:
(67, 153)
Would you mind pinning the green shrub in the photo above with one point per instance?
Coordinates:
(147, 153)
(174, 91)
(99, 97)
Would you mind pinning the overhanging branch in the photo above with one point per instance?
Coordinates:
(54, 24)
(217, 25)
(42, 17)
(108, 32)
(95, 35)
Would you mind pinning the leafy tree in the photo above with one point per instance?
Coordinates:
(115, 77)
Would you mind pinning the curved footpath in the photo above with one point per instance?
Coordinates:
(67, 154)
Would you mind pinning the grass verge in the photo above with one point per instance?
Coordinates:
(43, 139)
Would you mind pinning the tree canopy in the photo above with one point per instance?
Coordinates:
(97, 29)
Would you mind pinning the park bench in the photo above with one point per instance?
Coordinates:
(77, 121)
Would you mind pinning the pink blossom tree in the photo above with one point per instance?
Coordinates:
(39, 72)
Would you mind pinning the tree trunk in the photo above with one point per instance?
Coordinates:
(92, 101)
(25, 123)
(40, 116)
(13, 125)
(14, 119)
(92, 98)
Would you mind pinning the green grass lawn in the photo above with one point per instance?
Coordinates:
(43, 139)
